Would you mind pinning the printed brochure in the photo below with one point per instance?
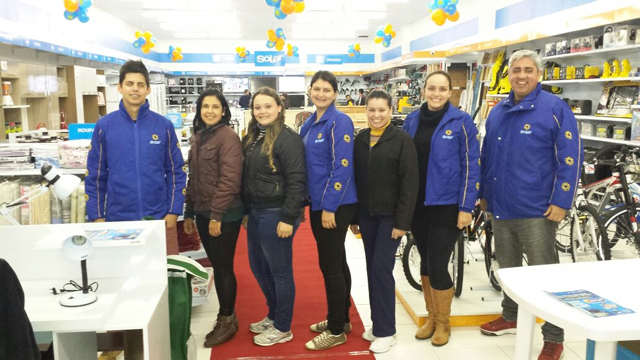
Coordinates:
(114, 234)
(590, 303)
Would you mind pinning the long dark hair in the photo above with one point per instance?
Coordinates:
(379, 94)
(198, 123)
(272, 131)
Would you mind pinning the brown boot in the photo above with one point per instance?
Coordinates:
(442, 304)
(224, 330)
(426, 331)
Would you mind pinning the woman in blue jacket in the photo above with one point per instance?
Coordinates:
(328, 140)
(449, 170)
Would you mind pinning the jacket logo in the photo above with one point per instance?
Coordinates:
(154, 140)
(569, 160)
(527, 130)
(448, 132)
(184, 168)
(337, 186)
(477, 186)
(86, 197)
(319, 135)
(86, 173)
(568, 135)
(447, 135)
(479, 162)
(566, 186)
(345, 162)
(347, 138)
(184, 191)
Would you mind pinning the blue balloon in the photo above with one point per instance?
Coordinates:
(387, 38)
(279, 14)
(271, 44)
(84, 4)
(450, 9)
(386, 43)
(273, 2)
(279, 32)
(433, 6)
(380, 33)
(142, 40)
(153, 40)
(83, 18)
(136, 44)
(247, 52)
(171, 48)
(357, 53)
(69, 15)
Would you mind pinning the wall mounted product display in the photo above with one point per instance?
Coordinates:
(617, 98)
(234, 85)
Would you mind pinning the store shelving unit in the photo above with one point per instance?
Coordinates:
(603, 118)
(612, 141)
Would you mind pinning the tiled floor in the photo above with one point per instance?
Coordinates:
(466, 342)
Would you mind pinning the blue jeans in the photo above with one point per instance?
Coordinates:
(535, 237)
(380, 252)
(271, 260)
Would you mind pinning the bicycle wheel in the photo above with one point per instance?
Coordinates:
(411, 263)
(595, 246)
(563, 235)
(457, 264)
(618, 225)
(490, 263)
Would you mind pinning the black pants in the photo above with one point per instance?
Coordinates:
(221, 252)
(435, 245)
(333, 264)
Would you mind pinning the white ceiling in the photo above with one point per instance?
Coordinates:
(250, 19)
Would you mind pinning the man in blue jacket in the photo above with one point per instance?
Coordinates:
(135, 167)
(531, 159)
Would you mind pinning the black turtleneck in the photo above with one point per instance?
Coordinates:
(439, 215)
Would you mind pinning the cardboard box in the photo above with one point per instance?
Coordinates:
(608, 39)
(562, 47)
(587, 43)
(587, 128)
(550, 49)
(620, 132)
(635, 125)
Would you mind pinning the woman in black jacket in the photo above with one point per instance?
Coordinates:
(273, 190)
(386, 170)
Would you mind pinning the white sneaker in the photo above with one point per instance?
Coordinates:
(272, 336)
(368, 335)
(382, 344)
(261, 326)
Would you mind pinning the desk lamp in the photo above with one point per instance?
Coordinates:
(63, 186)
(77, 247)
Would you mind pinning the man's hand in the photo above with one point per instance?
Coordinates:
(245, 221)
(284, 230)
(99, 220)
(464, 219)
(555, 213)
(397, 233)
(355, 229)
(189, 226)
(214, 228)
(328, 220)
(170, 221)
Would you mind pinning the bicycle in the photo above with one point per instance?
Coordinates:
(621, 221)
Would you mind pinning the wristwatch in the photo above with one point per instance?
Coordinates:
(214, 220)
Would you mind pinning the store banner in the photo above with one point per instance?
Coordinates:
(333, 60)
(81, 131)
(269, 58)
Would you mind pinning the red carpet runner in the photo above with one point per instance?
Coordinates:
(310, 307)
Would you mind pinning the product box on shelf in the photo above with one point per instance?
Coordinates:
(621, 132)
(562, 47)
(576, 45)
(608, 39)
(625, 35)
(550, 49)
(635, 126)
(604, 131)
(587, 43)
(587, 128)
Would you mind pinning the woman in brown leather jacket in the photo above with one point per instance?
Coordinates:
(213, 199)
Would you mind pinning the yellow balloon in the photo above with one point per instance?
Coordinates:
(298, 7)
(180, 57)
(238, 49)
(351, 54)
(388, 28)
(145, 49)
(138, 34)
(147, 35)
(377, 40)
(438, 17)
(393, 34)
(356, 47)
(71, 5)
(287, 7)
(454, 17)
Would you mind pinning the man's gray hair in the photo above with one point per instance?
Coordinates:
(526, 54)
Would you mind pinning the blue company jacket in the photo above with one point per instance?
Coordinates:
(531, 156)
(134, 169)
(453, 173)
(329, 155)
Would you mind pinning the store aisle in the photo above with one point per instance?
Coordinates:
(466, 342)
